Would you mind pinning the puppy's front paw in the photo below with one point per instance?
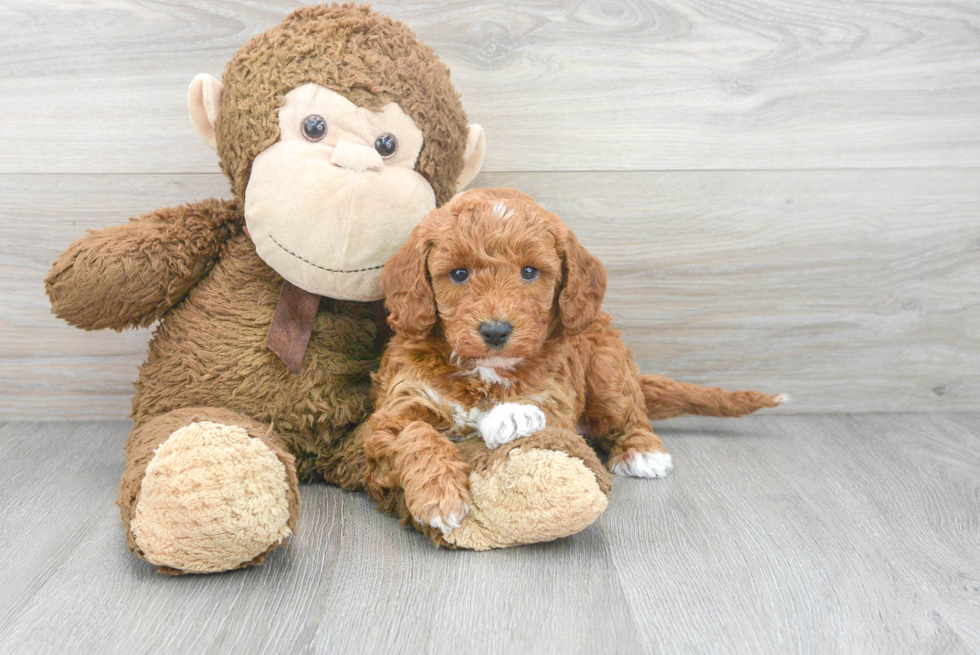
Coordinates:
(441, 502)
(657, 464)
(508, 421)
(446, 523)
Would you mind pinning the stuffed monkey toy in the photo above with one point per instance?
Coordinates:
(338, 131)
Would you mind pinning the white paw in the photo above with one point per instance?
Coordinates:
(645, 465)
(508, 421)
(448, 523)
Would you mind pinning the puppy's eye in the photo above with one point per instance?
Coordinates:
(386, 144)
(314, 127)
(459, 276)
(529, 274)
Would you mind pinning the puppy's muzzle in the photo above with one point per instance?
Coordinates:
(495, 333)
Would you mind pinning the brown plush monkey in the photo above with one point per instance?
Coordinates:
(338, 131)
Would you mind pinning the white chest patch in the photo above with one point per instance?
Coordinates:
(490, 375)
(490, 369)
(499, 425)
(466, 422)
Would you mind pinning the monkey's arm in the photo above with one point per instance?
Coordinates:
(132, 274)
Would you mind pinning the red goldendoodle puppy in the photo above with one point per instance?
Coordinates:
(498, 333)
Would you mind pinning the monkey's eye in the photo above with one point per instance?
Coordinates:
(529, 274)
(386, 144)
(314, 127)
(459, 276)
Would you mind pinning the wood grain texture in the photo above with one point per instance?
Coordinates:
(849, 290)
(779, 534)
(798, 270)
(558, 85)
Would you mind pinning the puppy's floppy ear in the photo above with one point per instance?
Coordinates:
(583, 286)
(409, 297)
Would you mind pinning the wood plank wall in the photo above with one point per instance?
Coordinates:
(787, 195)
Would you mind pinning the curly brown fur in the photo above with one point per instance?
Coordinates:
(562, 356)
(415, 458)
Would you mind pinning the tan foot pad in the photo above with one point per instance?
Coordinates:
(533, 496)
(213, 498)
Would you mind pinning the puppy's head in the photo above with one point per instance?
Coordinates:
(496, 273)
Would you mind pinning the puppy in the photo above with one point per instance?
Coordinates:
(499, 335)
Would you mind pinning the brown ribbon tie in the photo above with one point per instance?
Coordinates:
(292, 324)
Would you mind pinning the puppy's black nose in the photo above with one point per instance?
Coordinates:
(495, 333)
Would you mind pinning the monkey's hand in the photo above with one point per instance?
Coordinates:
(131, 275)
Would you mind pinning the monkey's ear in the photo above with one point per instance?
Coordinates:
(410, 300)
(204, 103)
(476, 148)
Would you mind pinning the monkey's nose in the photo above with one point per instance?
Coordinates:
(355, 157)
(495, 333)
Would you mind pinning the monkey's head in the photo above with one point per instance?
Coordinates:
(339, 131)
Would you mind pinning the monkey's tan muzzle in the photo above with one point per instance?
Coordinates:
(328, 220)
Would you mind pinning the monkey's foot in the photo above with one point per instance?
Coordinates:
(213, 499)
(532, 495)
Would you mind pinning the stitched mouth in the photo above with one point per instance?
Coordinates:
(323, 268)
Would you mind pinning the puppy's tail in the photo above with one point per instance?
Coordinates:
(666, 398)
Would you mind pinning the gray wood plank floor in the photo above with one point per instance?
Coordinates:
(796, 534)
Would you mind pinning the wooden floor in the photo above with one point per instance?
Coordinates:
(827, 534)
